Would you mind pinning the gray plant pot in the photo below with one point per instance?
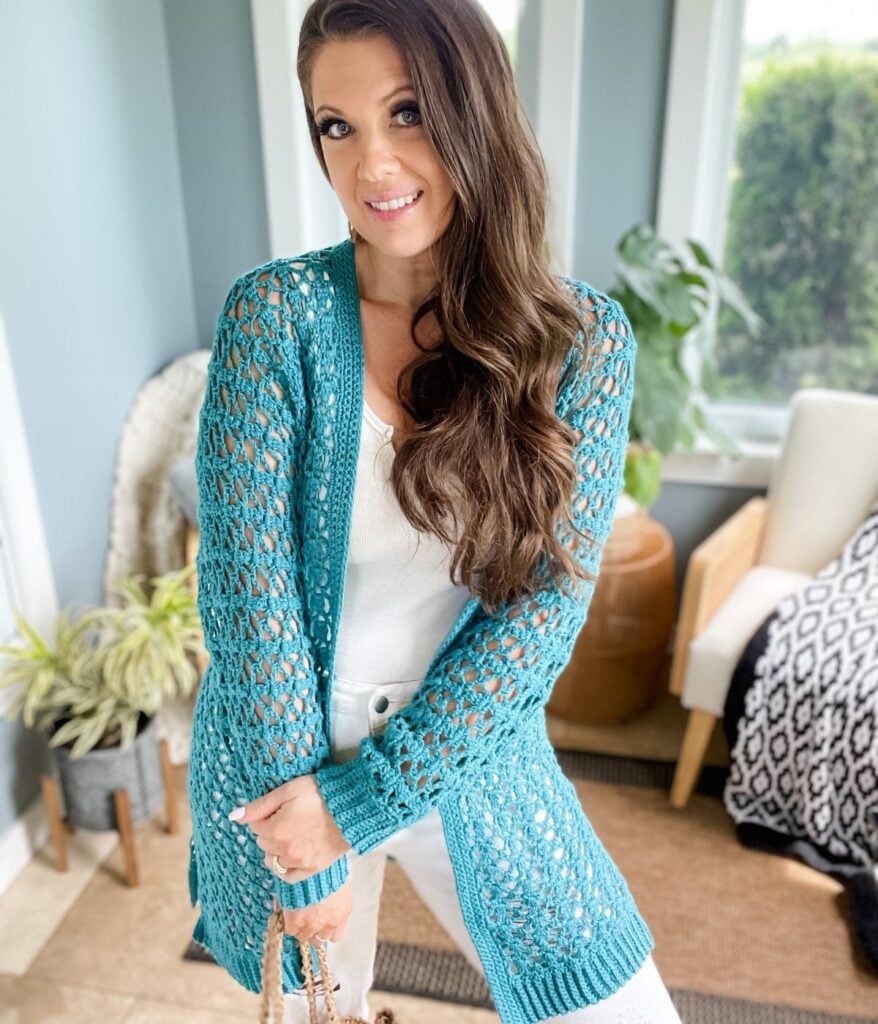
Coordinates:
(88, 782)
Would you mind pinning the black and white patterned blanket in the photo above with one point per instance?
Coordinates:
(801, 719)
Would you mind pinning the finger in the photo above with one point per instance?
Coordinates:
(268, 861)
(292, 922)
(296, 923)
(291, 874)
(262, 807)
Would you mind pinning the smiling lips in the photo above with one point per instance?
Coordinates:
(395, 208)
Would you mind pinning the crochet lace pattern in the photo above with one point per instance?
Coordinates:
(552, 917)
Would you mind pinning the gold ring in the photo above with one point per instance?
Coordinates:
(277, 867)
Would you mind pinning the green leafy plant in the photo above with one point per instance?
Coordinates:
(107, 666)
(670, 295)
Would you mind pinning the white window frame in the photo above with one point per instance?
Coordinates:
(26, 562)
(693, 198)
(303, 211)
(558, 117)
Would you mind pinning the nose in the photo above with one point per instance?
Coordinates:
(377, 162)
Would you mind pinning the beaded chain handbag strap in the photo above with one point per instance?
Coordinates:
(272, 1008)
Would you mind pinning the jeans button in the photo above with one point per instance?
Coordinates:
(381, 705)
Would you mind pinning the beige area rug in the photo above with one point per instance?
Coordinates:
(728, 921)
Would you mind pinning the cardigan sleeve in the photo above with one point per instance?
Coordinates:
(497, 674)
(261, 665)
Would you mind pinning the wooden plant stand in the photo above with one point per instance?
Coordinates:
(60, 827)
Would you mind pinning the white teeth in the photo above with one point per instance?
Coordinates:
(395, 204)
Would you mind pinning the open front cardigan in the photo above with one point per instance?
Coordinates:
(550, 914)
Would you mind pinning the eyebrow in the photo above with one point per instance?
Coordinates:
(387, 98)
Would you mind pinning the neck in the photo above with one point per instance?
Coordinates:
(400, 281)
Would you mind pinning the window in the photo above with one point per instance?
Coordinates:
(801, 227)
(505, 15)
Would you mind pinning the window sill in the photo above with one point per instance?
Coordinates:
(759, 432)
(709, 467)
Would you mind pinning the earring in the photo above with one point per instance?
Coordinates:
(351, 232)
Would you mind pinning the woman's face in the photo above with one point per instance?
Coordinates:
(375, 146)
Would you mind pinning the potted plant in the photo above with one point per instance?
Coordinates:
(671, 296)
(97, 689)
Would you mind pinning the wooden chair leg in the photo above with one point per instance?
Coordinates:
(56, 824)
(699, 728)
(125, 828)
(173, 825)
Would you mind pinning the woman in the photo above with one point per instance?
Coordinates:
(394, 428)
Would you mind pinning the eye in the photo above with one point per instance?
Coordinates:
(409, 108)
(324, 126)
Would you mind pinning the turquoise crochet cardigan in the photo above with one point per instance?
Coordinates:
(550, 914)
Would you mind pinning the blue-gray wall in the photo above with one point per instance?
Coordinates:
(692, 512)
(626, 48)
(213, 74)
(131, 156)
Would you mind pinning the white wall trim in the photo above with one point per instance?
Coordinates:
(21, 840)
(303, 211)
(27, 561)
(559, 78)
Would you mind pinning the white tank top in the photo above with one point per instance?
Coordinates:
(399, 602)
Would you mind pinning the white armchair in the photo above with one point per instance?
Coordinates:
(821, 489)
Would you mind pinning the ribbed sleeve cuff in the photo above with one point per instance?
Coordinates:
(347, 792)
(297, 895)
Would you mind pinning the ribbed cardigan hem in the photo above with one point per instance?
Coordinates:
(538, 995)
(526, 1000)
(315, 888)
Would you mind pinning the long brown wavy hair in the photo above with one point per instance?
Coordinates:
(488, 448)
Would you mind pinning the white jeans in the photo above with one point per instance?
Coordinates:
(362, 709)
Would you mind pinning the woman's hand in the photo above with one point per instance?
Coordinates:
(293, 823)
(325, 920)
